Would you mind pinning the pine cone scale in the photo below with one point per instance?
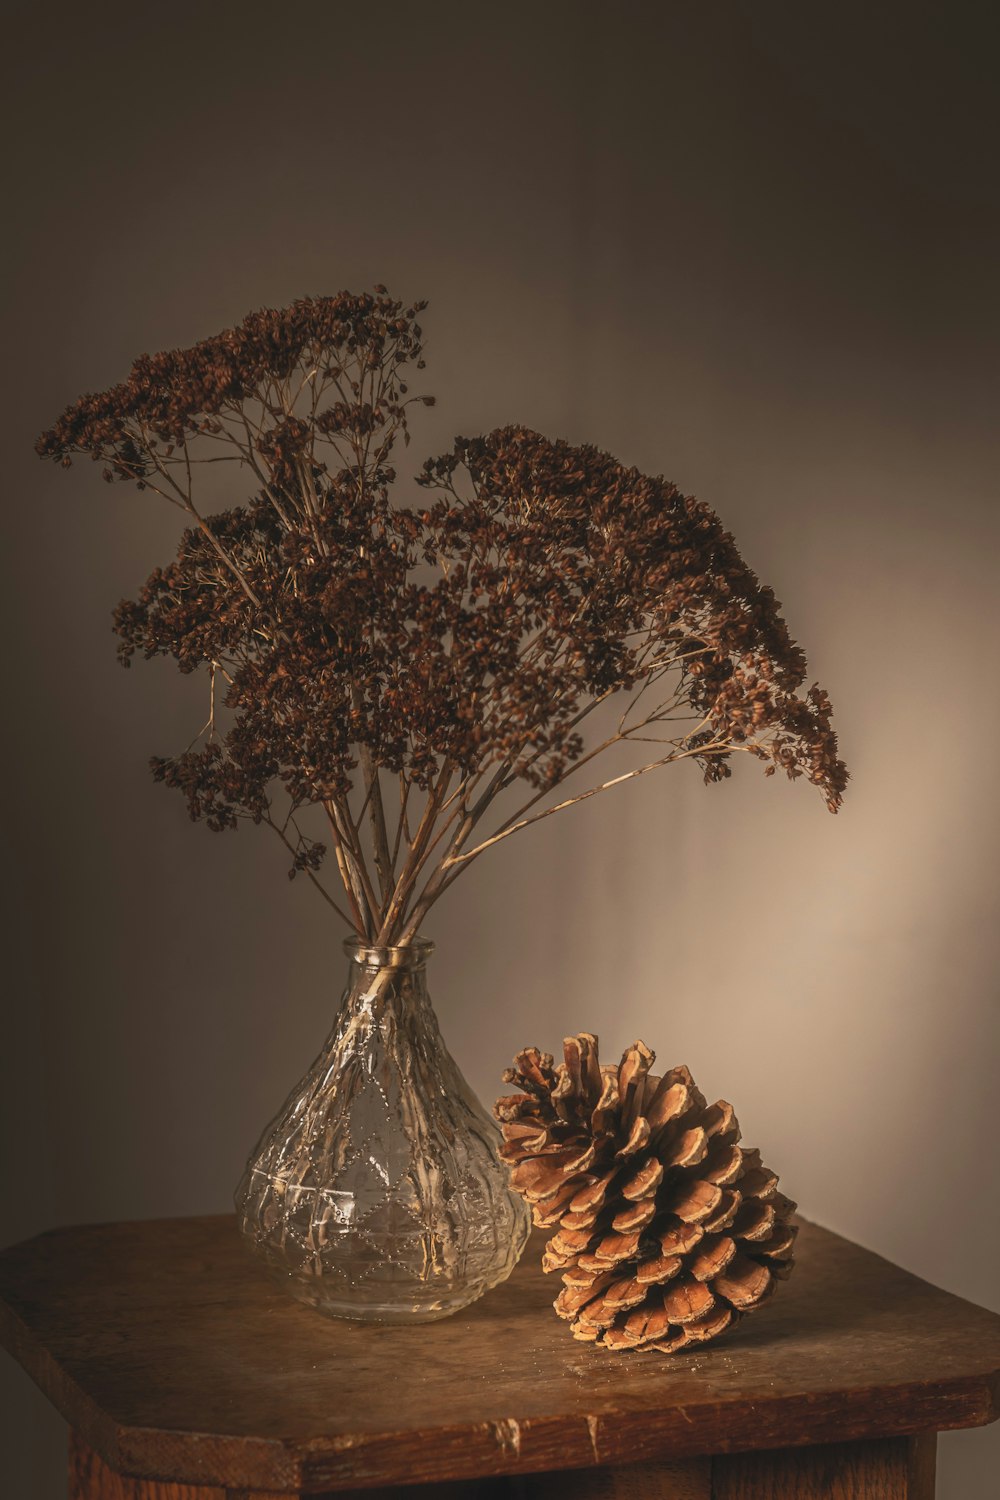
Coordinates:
(645, 1181)
(723, 1166)
(635, 1215)
(713, 1258)
(659, 1269)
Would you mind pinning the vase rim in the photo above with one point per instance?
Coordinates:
(412, 955)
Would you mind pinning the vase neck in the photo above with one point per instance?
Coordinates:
(387, 978)
(369, 957)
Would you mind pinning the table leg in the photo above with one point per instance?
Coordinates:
(884, 1469)
(680, 1479)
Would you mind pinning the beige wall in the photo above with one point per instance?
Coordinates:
(757, 255)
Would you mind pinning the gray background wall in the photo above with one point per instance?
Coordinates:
(754, 247)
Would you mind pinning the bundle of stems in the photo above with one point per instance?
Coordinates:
(401, 670)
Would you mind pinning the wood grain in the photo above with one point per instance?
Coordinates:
(890, 1469)
(168, 1349)
(91, 1479)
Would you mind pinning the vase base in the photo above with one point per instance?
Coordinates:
(397, 1310)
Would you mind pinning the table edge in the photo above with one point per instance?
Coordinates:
(506, 1444)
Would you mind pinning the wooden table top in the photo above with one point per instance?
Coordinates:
(174, 1356)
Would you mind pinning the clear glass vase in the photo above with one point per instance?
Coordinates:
(376, 1192)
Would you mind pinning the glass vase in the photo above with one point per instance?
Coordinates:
(376, 1192)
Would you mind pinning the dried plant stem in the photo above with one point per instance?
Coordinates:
(507, 830)
(376, 812)
(312, 877)
(348, 874)
(404, 886)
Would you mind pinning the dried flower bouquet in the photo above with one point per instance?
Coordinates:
(404, 668)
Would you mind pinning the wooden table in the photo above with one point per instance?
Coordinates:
(178, 1363)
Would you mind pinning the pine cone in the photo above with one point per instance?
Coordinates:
(667, 1231)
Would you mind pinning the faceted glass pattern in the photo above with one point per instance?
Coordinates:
(376, 1192)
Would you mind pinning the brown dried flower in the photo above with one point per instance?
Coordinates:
(456, 647)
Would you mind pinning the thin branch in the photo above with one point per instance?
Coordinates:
(311, 873)
(376, 814)
(713, 748)
(411, 868)
(402, 827)
(355, 895)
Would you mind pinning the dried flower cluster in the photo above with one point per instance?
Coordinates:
(400, 668)
(667, 1231)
